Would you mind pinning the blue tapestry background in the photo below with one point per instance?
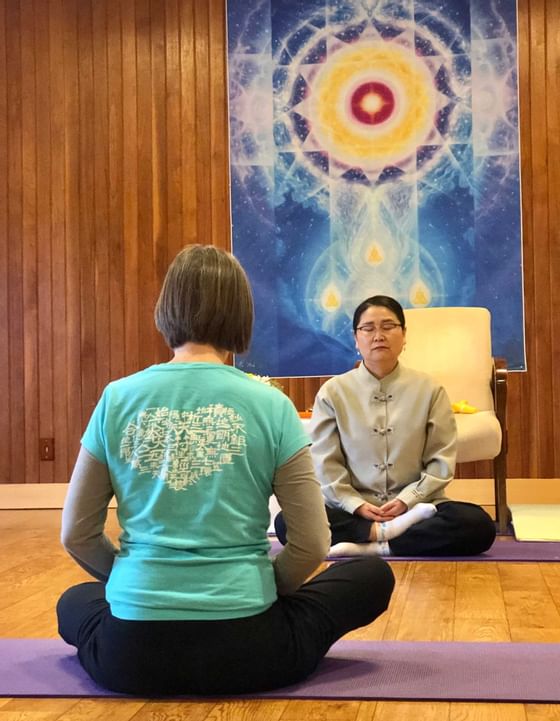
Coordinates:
(373, 149)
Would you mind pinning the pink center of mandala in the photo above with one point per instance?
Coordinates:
(372, 103)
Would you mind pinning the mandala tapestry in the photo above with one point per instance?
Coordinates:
(374, 148)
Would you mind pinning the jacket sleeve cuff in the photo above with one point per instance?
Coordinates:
(350, 504)
(410, 497)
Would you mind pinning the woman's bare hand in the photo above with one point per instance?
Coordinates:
(393, 508)
(371, 513)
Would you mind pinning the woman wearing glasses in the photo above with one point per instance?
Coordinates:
(384, 441)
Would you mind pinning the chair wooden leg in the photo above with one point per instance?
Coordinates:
(499, 391)
(500, 492)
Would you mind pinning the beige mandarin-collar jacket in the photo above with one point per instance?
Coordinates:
(375, 440)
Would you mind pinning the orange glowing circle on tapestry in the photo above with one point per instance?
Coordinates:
(370, 105)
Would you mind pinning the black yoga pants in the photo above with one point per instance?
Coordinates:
(276, 648)
(457, 529)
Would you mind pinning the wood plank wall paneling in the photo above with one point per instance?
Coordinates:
(114, 155)
(72, 241)
(45, 371)
(57, 180)
(552, 49)
(5, 421)
(13, 323)
(540, 322)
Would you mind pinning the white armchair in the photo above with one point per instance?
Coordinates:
(454, 345)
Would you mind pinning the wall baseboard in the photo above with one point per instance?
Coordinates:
(519, 490)
(19, 496)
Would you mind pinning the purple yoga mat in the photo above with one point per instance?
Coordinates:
(398, 670)
(504, 549)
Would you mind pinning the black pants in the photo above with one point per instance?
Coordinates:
(457, 529)
(276, 648)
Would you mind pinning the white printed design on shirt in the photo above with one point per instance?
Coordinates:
(181, 446)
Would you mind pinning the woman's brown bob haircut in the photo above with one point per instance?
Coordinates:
(205, 298)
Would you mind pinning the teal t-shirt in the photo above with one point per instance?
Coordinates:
(192, 449)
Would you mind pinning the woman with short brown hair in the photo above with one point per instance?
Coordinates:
(191, 601)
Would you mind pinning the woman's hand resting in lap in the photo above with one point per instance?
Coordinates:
(379, 514)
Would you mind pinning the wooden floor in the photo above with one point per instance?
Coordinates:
(434, 601)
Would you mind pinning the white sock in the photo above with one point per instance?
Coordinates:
(375, 548)
(391, 529)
